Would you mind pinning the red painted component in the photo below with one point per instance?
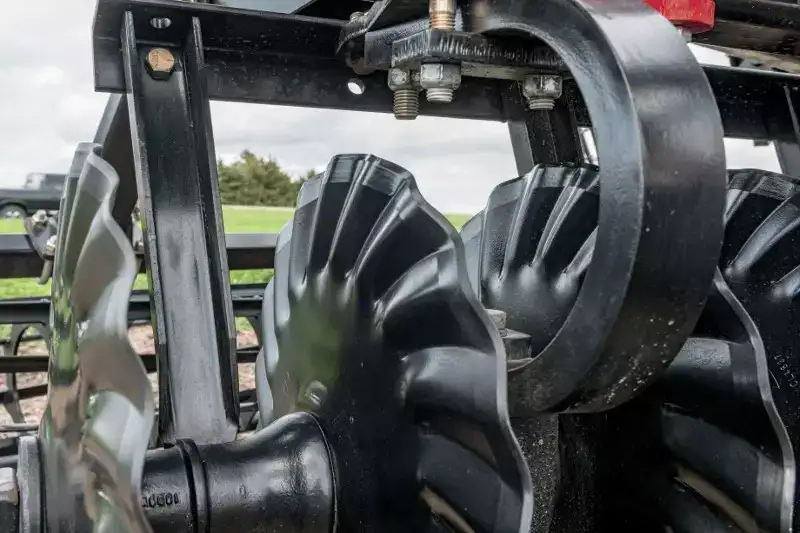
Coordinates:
(696, 16)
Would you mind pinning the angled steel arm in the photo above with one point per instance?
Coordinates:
(184, 249)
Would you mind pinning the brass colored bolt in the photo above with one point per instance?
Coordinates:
(443, 14)
(160, 63)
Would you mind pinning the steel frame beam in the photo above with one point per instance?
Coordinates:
(246, 298)
(242, 64)
(245, 251)
(183, 240)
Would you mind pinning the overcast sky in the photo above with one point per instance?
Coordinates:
(47, 106)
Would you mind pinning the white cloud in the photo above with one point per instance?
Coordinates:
(47, 106)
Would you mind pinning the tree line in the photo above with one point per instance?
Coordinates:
(254, 180)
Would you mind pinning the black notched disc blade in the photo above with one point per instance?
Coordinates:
(593, 307)
(706, 448)
(761, 264)
(370, 324)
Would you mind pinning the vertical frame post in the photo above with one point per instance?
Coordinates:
(542, 137)
(184, 240)
(789, 152)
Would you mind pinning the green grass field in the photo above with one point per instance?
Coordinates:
(237, 220)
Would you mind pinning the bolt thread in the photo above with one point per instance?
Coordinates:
(443, 20)
(406, 104)
(439, 95)
(541, 104)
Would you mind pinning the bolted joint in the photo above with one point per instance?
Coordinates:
(405, 85)
(39, 219)
(541, 91)
(440, 80)
(401, 79)
(160, 63)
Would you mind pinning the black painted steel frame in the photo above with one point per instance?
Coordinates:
(752, 104)
(184, 241)
(297, 65)
(232, 60)
(245, 251)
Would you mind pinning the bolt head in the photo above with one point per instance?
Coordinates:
(440, 76)
(542, 86)
(160, 63)
(39, 218)
(9, 491)
(400, 79)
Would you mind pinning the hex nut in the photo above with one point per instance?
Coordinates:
(440, 76)
(400, 79)
(39, 217)
(541, 86)
(9, 491)
(160, 63)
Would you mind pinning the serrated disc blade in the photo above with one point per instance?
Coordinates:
(99, 414)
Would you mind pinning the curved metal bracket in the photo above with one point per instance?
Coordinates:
(370, 325)
(662, 179)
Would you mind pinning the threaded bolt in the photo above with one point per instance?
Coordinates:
(406, 104)
(442, 14)
(356, 15)
(439, 95)
(541, 91)
(443, 21)
(541, 104)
